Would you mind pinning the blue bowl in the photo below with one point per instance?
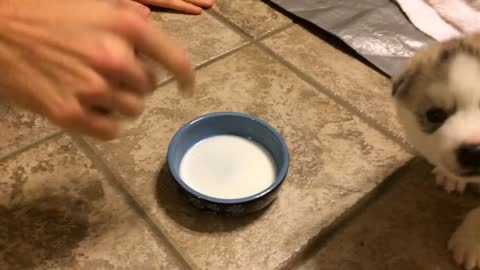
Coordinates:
(229, 123)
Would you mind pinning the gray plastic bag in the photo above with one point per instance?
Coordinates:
(376, 29)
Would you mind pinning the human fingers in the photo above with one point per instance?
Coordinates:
(116, 59)
(202, 3)
(134, 5)
(160, 47)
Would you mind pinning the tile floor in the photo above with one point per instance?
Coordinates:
(76, 203)
(406, 227)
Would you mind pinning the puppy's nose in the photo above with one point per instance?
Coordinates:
(469, 156)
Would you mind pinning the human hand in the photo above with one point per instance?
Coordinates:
(187, 6)
(65, 59)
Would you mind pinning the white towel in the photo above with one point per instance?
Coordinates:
(443, 19)
(463, 15)
(426, 19)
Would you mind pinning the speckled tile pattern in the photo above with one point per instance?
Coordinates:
(58, 212)
(347, 77)
(336, 159)
(20, 128)
(203, 36)
(407, 227)
(253, 16)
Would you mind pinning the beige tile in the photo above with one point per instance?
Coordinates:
(20, 128)
(203, 36)
(335, 159)
(407, 227)
(345, 76)
(58, 212)
(253, 16)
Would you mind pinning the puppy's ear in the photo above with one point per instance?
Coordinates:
(401, 83)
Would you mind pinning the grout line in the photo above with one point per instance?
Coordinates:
(208, 62)
(242, 32)
(223, 55)
(101, 164)
(30, 146)
(229, 24)
(277, 30)
(165, 81)
(341, 222)
(338, 100)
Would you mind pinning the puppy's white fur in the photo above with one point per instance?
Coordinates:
(461, 88)
(446, 75)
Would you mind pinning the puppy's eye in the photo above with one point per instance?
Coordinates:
(436, 116)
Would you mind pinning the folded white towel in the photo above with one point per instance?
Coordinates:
(443, 19)
(463, 15)
(426, 19)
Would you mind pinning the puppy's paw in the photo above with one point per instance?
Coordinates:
(465, 242)
(448, 182)
(466, 251)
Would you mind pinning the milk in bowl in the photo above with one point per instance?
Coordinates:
(228, 167)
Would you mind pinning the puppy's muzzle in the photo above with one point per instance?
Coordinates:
(468, 158)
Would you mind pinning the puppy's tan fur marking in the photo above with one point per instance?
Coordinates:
(430, 63)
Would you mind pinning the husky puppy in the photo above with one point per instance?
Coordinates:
(437, 97)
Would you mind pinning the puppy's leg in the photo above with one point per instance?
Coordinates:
(465, 242)
(449, 182)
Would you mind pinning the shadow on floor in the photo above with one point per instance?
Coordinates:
(183, 213)
(406, 227)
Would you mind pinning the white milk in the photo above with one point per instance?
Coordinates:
(227, 167)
